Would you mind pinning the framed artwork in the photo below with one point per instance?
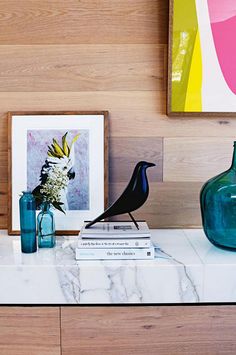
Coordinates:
(202, 57)
(75, 142)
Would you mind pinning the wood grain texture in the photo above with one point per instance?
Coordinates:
(196, 159)
(3, 204)
(109, 55)
(73, 21)
(3, 220)
(4, 165)
(131, 113)
(29, 330)
(164, 330)
(126, 152)
(82, 67)
(170, 204)
(122, 70)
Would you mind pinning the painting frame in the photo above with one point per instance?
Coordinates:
(178, 114)
(91, 116)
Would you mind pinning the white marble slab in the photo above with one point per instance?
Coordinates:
(219, 280)
(54, 276)
(187, 269)
(174, 276)
(27, 278)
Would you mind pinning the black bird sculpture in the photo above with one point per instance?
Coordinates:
(133, 197)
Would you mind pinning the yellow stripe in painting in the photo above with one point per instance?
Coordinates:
(185, 27)
(193, 101)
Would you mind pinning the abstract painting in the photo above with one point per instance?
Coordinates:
(202, 57)
(73, 143)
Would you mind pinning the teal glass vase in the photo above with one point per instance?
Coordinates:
(218, 208)
(46, 227)
(28, 222)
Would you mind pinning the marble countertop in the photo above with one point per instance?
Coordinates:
(186, 269)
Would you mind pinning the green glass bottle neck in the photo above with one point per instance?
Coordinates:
(233, 165)
(45, 206)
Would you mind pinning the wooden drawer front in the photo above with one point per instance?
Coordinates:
(152, 330)
(29, 331)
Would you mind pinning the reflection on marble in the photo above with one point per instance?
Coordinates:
(219, 282)
(27, 278)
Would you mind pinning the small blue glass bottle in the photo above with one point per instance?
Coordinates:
(28, 222)
(46, 227)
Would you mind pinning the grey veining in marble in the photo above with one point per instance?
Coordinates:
(186, 269)
(165, 279)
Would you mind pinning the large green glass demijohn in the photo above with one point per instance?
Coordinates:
(218, 208)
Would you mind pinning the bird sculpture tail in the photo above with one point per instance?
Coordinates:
(101, 217)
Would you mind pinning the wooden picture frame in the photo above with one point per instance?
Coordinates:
(200, 83)
(94, 129)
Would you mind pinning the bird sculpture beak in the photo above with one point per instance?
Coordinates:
(149, 165)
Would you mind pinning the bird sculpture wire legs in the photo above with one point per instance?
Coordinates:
(132, 217)
(133, 197)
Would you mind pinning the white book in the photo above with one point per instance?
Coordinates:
(116, 230)
(115, 254)
(114, 243)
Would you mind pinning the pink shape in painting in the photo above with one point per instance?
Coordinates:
(223, 24)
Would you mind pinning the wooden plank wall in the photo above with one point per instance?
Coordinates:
(111, 55)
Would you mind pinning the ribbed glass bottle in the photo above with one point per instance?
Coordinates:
(46, 227)
(218, 208)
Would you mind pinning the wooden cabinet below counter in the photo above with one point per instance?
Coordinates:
(99, 330)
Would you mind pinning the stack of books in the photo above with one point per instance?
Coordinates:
(115, 240)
